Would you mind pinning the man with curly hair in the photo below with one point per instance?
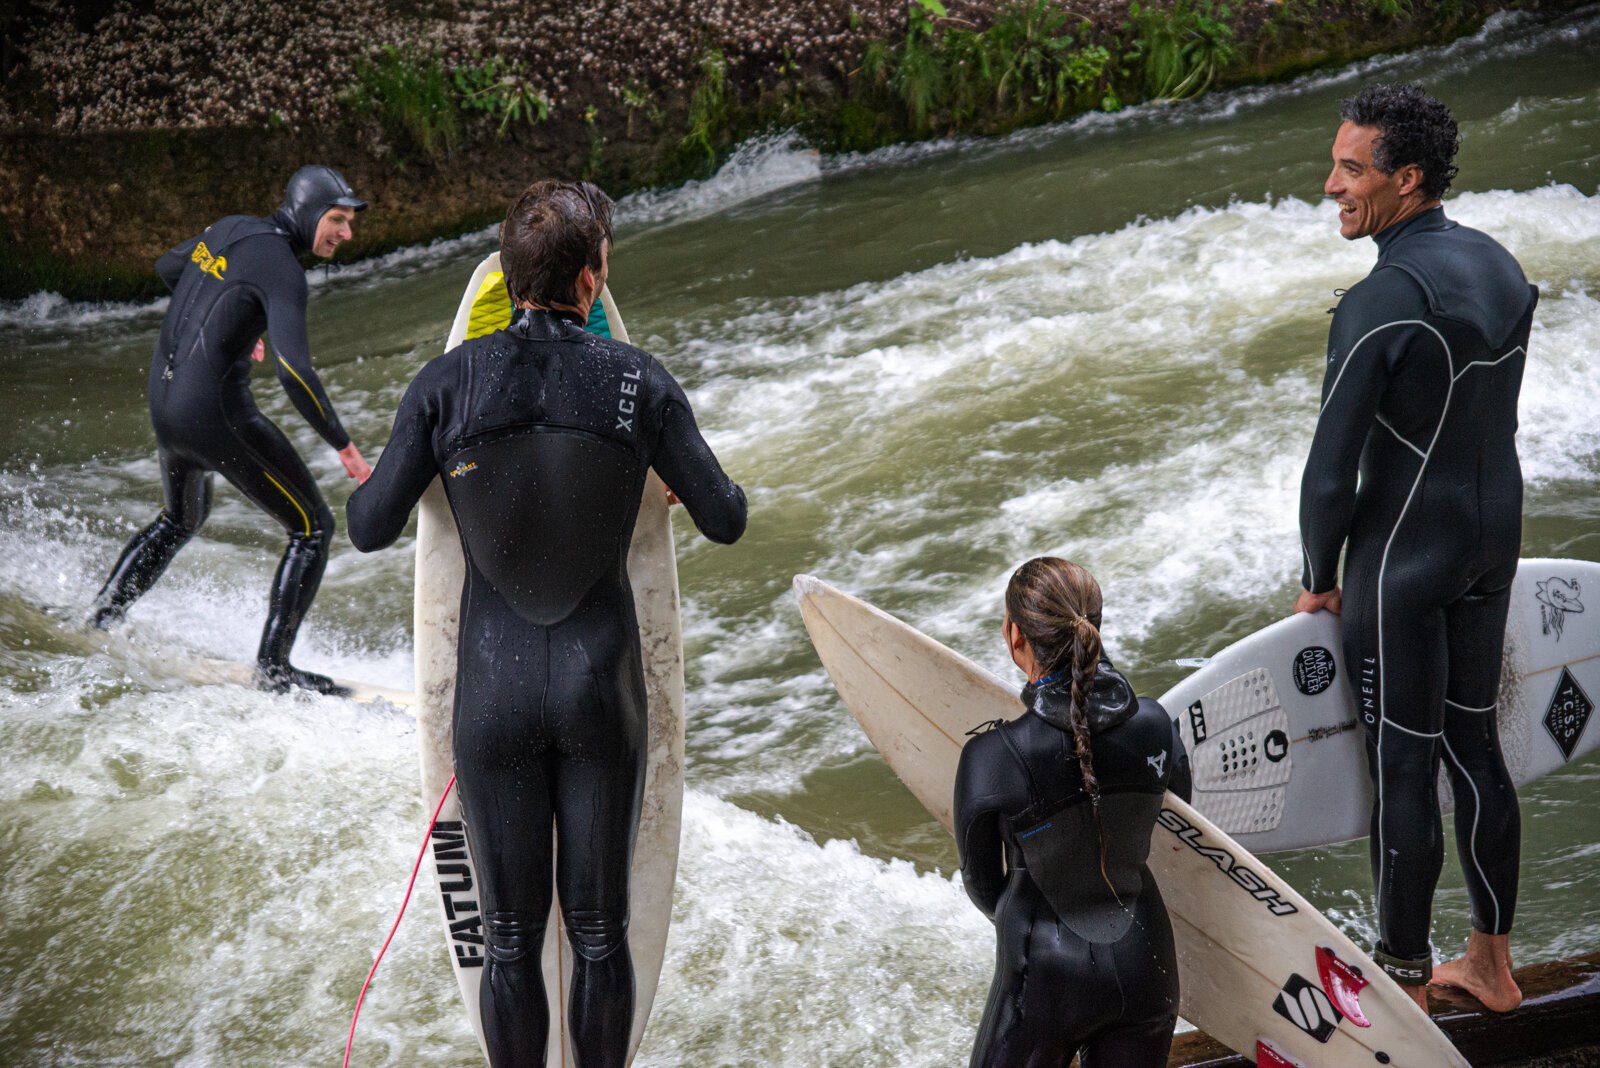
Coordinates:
(1425, 359)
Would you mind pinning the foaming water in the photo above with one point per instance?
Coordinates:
(919, 390)
(757, 168)
(1141, 401)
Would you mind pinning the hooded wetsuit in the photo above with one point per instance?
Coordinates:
(1085, 962)
(544, 435)
(1425, 360)
(237, 280)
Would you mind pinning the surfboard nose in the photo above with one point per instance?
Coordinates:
(808, 585)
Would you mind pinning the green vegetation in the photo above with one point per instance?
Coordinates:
(500, 89)
(1180, 50)
(419, 101)
(1034, 62)
(708, 107)
(411, 95)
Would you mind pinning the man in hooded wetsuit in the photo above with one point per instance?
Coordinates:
(241, 277)
(543, 434)
(1425, 360)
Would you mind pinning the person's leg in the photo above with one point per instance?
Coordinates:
(599, 783)
(1147, 975)
(1396, 652)
(186, 501)
(261, 463)
(1051, 988)
(1142, 1045)
(1488, 822)
(504, 781)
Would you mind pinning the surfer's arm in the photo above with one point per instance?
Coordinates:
(377, 511)
(1372, 320)
(691, 471)
(284, 287)
(170, 265)
(977, 824)
(1182, 781)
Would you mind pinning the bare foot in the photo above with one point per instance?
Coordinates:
(1419, 994)
(1485, 972)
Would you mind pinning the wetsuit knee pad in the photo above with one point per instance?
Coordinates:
(595, 934)
(319, 540)
(511, 937)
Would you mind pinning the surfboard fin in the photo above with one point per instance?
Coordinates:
(1342, 984)
(1267, 1056)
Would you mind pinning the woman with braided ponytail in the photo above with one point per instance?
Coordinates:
(1053, 815)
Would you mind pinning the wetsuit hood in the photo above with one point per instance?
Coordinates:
(1110, 700)
(310, 193)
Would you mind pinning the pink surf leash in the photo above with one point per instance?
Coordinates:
(415, 868)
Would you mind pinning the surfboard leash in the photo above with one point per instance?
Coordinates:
(415, 868)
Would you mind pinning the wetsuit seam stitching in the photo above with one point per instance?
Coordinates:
(1472, 839)
(1383, 564)
(1381, 421)
(1489, 363)
(1350, 358)
(265, 464)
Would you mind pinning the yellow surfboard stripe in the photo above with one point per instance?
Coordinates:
(491, 307)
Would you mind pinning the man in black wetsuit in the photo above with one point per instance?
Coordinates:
(545, 434)
(241, 277)
(1425, 359)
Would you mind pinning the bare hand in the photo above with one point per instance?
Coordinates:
(354, 464)
(259, 353)
(1317, 602)
(672, 498)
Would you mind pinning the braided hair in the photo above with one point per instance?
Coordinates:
(1056, 605)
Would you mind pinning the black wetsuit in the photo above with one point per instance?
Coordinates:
(544, 435)
(1425, 360)
(1085, 962)
(239, 279)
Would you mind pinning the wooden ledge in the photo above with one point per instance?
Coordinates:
(1557, 1025)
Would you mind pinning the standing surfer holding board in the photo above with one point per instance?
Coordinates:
(240, 277)
(1425, 359)
(543, 435)
(1053, 816)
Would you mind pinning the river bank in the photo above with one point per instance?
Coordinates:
(124, 133)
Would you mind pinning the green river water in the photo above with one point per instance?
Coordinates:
(1102, 340)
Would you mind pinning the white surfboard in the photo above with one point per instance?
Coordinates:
(206, 672)
(1257, 963)
(652, 570)
(162, 663)
(1273, 725)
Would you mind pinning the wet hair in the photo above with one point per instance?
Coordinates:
(1414, 128)
(1056, 605)
(553, 231)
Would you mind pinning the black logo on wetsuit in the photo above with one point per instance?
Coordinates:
(1304, 1004)
(1313, 670)
(1197, 722)
(1558, 598)
(453, 869)
(1569, 712)
(1276, 746)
